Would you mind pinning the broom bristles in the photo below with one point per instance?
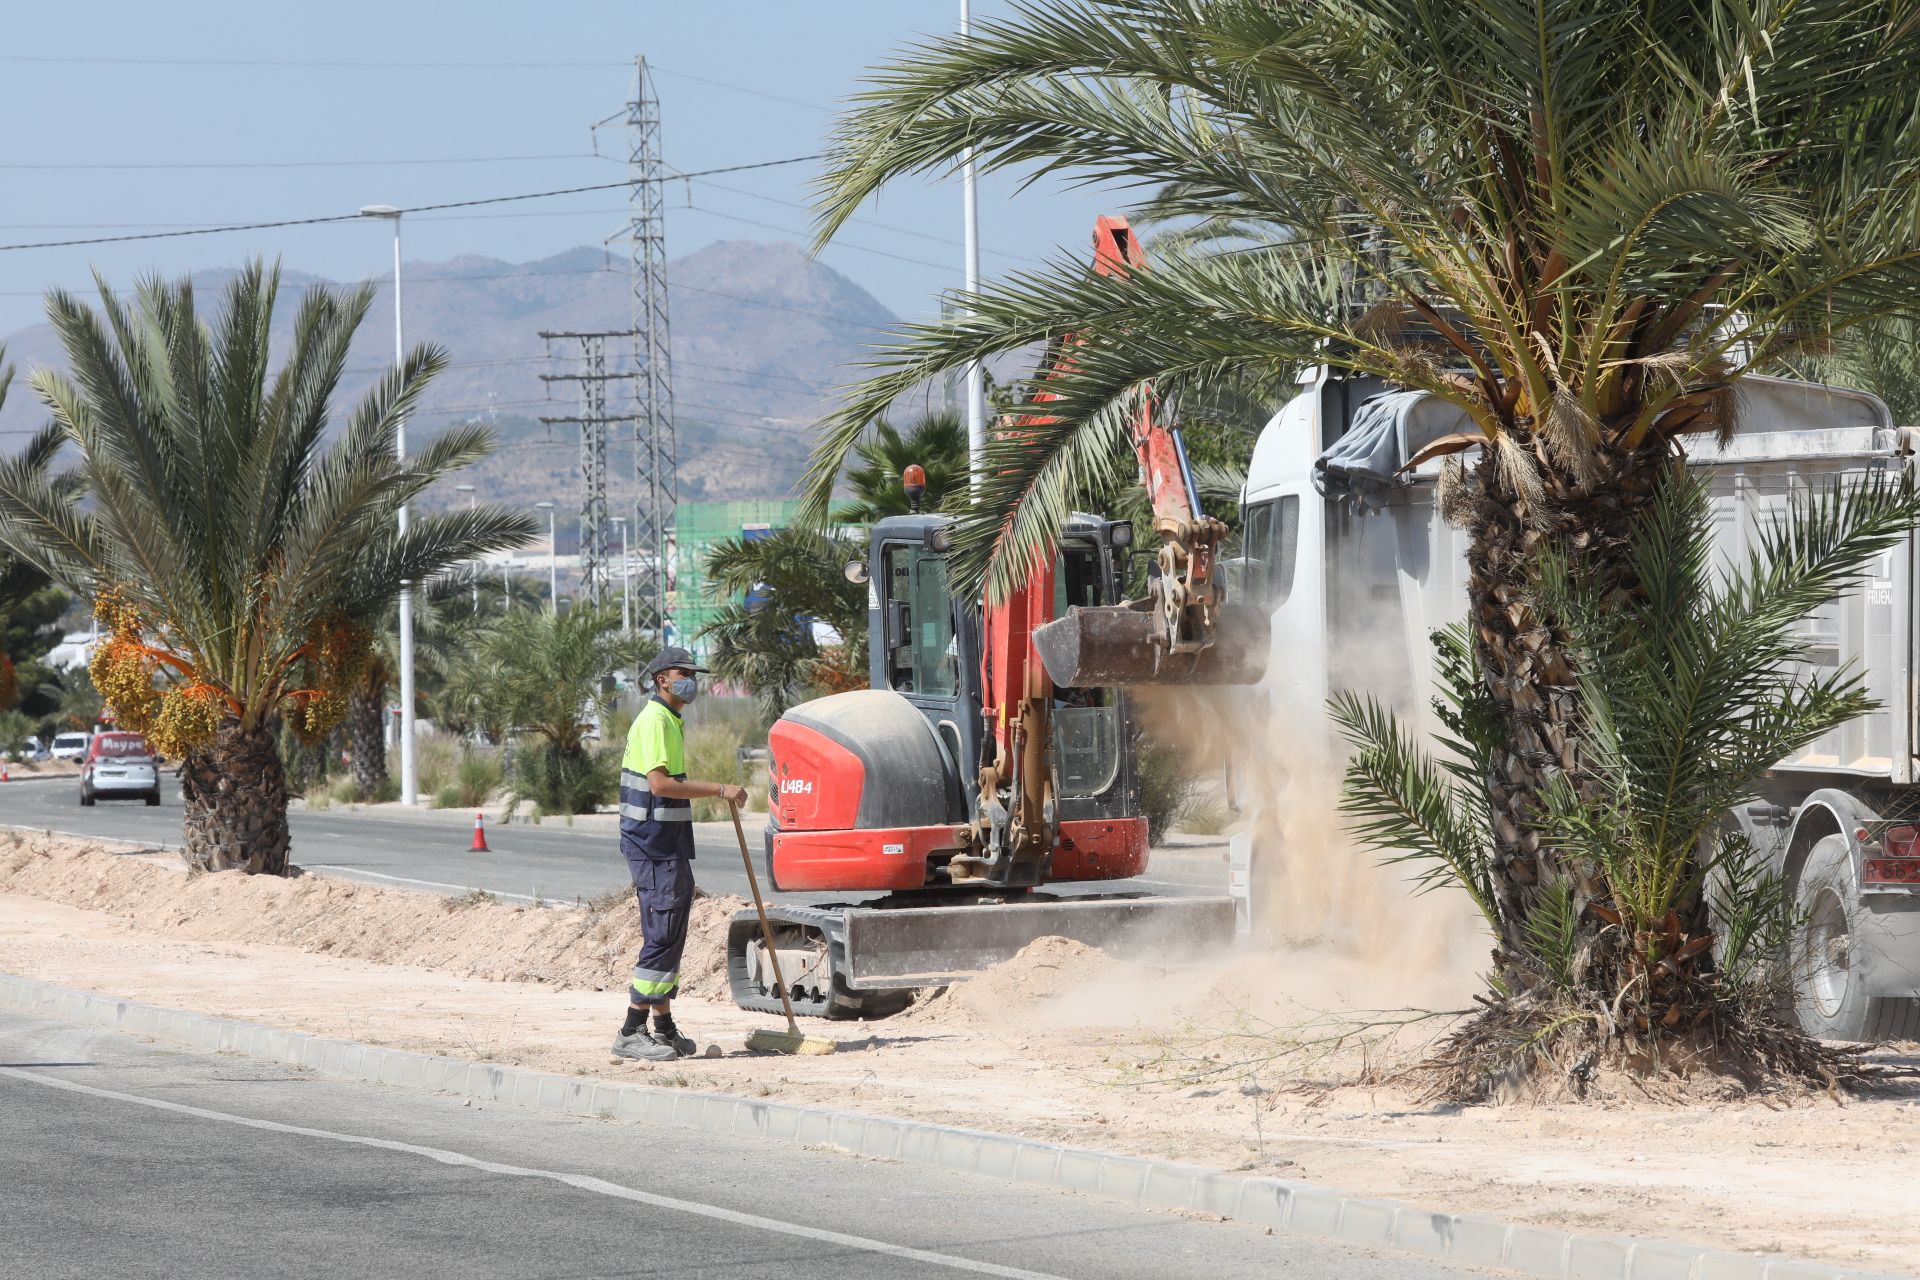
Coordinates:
(769, 1041)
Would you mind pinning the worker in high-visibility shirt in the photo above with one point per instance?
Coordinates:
(656, 835)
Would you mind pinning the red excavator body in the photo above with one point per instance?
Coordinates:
(879, 789)
(993, 753)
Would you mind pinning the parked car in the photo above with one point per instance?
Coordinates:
(71, 746)
(32, 750)
(119, 764)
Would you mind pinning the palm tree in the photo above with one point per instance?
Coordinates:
(30, 606)
(554, 673)
(936, 442)
(1690, 689)
(776, 587)
(1882, 357)
(442, 618)
(235, 557)
(1579, 221)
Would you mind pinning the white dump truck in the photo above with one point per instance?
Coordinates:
(1359, 570)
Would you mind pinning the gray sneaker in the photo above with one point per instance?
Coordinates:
(642, 1047)
(681, 1045)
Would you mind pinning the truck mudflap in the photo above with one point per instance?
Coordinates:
(865, 961)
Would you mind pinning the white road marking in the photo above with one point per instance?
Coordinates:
(598, 1186)
(349, 872)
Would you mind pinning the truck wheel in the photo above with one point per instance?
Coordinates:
(153, 799)
(1829, 997)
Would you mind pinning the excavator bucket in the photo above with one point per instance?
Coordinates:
(1113, 646)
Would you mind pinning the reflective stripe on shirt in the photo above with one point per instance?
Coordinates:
(639, 813)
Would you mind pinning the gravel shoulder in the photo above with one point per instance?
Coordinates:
(1218, 1064)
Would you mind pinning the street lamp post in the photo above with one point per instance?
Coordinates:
(408, 779)
(970, 218)
(553, 559)
(626, 580)
(468, 490)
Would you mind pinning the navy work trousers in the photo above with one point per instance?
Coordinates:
(664, 887)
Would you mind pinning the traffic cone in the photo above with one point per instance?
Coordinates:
(479, 844)
(6, 774)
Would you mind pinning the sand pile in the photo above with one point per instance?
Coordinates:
(1044, 974)
(476, 936)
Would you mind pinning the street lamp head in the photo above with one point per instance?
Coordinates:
(543, 506)
(463, 488)
(379, 211)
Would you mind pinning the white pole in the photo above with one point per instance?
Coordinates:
(626, 580)
(976, 382)
(408, 780)
(471, 499)
(553, 561)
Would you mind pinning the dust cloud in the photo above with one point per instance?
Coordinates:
(1332, 924)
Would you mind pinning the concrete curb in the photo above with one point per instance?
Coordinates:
(1302, 1207)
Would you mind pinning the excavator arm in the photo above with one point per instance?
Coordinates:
(1173, 636)
(1183, 631)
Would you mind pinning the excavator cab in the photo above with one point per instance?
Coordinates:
(925, 645)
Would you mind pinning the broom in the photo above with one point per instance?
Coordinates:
(790, 1040)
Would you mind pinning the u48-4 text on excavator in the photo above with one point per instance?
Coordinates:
(993, 754)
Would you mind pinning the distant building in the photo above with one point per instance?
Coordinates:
(74, 650)
(696, 527)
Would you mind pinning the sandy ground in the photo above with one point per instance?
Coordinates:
(1062, 1043)
(30, 769)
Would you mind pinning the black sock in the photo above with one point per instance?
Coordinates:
(636, 1019)
(663, 1025)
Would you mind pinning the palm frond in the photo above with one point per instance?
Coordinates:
(1403, 804)
(1596, 214)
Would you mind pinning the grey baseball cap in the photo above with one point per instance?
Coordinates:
(672, 656)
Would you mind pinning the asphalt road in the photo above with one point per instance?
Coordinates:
(124, 1159)
(551, 861)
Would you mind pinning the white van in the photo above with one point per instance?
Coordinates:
(70, 746)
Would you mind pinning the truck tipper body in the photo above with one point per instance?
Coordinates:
(1358, 569)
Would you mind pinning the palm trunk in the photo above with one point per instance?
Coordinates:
(236, 802)
(1528, 668)
(367, 741)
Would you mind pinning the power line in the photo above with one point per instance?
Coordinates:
(740, 88)
(571, 271)
(343, 64)
(777, 306)
(83, 166)
(865, 222)
(423, 208)
(859, 248)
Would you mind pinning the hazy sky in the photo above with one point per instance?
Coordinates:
(127, 117)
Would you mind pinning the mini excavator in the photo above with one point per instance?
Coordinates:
(993, 755)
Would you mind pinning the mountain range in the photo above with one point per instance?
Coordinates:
(761, 336)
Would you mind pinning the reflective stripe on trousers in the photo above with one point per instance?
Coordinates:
(656, 983)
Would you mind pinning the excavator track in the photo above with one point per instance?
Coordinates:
(815, 938)
(866, 961)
